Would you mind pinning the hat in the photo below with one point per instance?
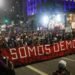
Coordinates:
(62, 64)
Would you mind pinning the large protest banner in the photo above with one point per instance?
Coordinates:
(30, 54)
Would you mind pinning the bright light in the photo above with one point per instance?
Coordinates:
(73, 25)
(3, 26)
(6, 21)
(2, 3)
(58, 18)
(45, 20)
(21, 22)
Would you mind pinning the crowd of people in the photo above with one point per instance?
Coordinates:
(17, 39)
(31, 38)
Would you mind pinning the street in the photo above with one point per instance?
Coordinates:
(46, 67)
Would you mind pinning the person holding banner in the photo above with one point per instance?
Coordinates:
(10, 67)
(3, 68)
(6, 67)
(62, 69)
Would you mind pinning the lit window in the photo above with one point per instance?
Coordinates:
(32, 13)
(66, 0)
(28, 0)
(70, 0)
(74, 0)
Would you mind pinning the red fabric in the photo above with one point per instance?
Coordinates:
(30, 54)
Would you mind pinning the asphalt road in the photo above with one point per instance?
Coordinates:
(47, 67)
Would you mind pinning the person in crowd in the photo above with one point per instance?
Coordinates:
(62, 70)
(31, 38)
(6, 67)
(3, 67)
(10, 66)
(2, 41)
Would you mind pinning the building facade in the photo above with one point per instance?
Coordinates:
(36, 7)
(69, 5)
(30, 7)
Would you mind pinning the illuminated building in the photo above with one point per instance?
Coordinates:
(30, 7)
(69, 5)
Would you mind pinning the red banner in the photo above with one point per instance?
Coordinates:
(30, 54)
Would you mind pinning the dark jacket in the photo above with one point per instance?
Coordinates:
(61, 72)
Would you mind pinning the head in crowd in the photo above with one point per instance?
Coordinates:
(62, 64)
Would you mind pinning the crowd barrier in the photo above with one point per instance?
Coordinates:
(31, 54)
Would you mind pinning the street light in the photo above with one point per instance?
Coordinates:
(6, 21)
(58, 18)
(45, 20)
(21, 22)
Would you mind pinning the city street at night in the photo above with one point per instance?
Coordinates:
(47, 67)
(37, 37)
